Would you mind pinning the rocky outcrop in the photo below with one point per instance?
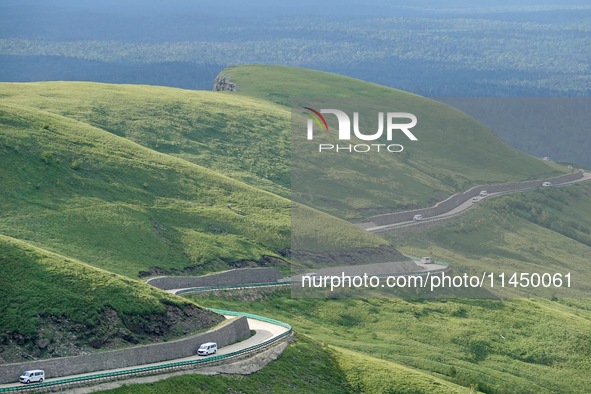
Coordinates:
(222, 84)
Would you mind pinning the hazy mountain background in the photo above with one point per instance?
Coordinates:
(436, 49)
(458, 48)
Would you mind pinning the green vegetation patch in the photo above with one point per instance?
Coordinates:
(128, 209)
(41, 291)
(453, 153)
(304, 367)
(370, 375)
(526, 346)
(542, 231)
(246, 135)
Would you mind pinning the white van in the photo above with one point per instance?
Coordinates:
(426, 260)
(416, 218)
(546, 184)
(207, 348)
(32, 376)
(483, 193)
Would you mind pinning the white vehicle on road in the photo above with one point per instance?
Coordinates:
(207, 348)
(36, 375)
(483, 193)
(426, 260)
(475, 200)
(417, 218)
(546, 184)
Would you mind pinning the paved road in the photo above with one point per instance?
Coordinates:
(460, 209)
(382, 270)
(264, 331)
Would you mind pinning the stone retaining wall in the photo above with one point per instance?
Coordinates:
(227, 278)
(229, 332)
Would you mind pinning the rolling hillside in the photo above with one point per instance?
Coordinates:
(225, 134)
(526, 344)
(309, 367)
(88, 194)
(497, 346)
(55, 306)
(546, 230)
(141, 180)
(454, 152)
(245, 135)
(80, 194)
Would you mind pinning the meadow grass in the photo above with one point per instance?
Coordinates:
(304, 367)
(127, 178)
(453, 152)
(497, 346)
(38, 284)
(307, 366)
(542, 231)
(375, 375)
(519, 345)
(246, 135)
(100, 198)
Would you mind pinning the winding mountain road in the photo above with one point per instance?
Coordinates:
(456, 211)
(265, 332)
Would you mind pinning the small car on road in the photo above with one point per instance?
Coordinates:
(35, 375)
(207, 348)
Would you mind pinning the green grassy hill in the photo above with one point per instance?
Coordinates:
(542, 231)
(78, 193)
(88, 194)
(307, 366)
(54, 306)
(134, 178)
(246, 135)
(498, 346)
(304, 367)
(225, 134)
(454, 152)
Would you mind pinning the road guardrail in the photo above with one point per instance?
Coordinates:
(157, 369)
